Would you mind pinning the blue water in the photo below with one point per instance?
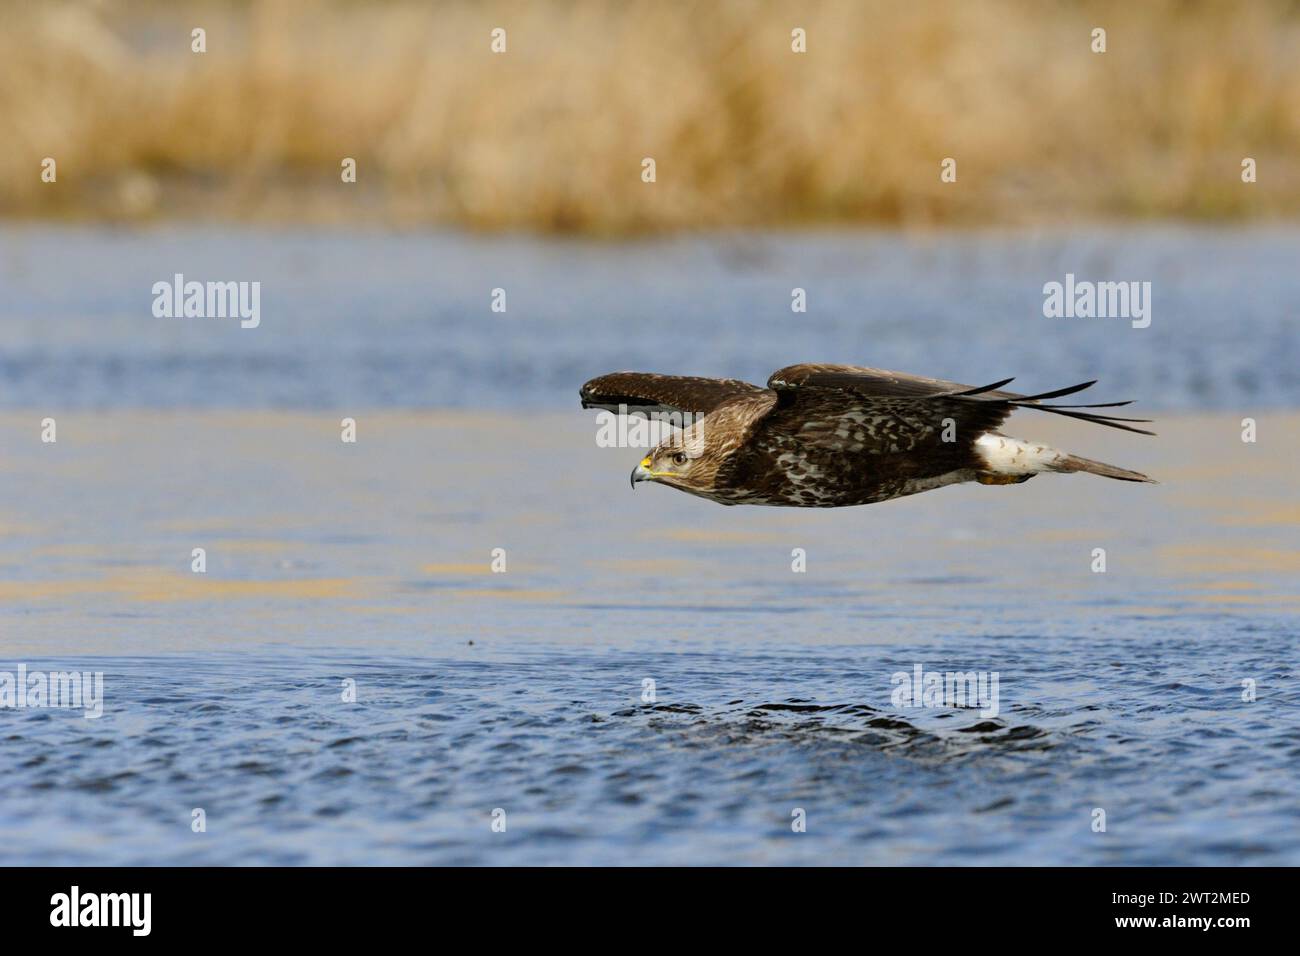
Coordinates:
(585, 771)
(1125, 691)
(376, 320)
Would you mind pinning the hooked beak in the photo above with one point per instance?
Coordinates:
(642, 471)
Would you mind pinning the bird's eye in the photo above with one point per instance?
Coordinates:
(679, 459)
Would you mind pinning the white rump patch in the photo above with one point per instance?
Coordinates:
(1014, 456)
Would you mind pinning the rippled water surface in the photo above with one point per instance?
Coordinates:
(369, 565)
(712, 772)
(371, 320)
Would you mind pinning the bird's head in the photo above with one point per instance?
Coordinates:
(685, 461)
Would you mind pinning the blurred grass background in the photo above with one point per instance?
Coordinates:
(550, 136)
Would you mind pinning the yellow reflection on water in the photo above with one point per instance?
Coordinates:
(157, 585)
(458, 569)
(1226, 555)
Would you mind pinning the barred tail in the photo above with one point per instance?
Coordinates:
(1002, 456)
(1074, 463)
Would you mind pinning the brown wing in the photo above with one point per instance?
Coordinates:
(865, 381)
(646, 393)
(840, 430)
(831, 416)
(806, 385)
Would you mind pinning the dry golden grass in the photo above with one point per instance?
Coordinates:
(550, 136)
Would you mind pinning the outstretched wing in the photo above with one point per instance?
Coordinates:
(914, 427)
(824, 416)
(813, 387)
(645, 393)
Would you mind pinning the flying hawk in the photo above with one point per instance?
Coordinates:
(825, 436)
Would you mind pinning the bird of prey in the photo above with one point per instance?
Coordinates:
(826, 436)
